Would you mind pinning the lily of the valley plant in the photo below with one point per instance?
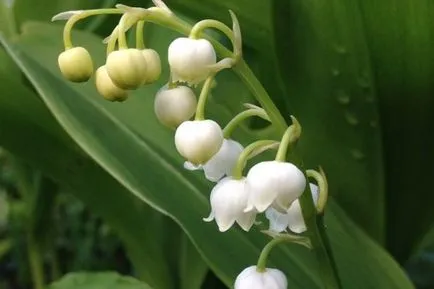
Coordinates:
(277, 188)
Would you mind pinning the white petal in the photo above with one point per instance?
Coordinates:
(189, 59)
(66, 15)
(189, 166)
(278, 221)
(250, 278)
(295, 217)
(198, 141)
(210, 218)
(246, 220)
(228, 200)
(260, 187)
(223, 162)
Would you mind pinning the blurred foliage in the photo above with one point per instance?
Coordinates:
(97, 186)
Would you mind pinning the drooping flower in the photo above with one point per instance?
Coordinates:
(173, 106)
(228, 200)
(199, 140)
(190, 59)
(106, 87)
(153, 65)
(274, 183)
(293, 218)
(127, 68)
(76, 64)
(251, 278)
(222, 163)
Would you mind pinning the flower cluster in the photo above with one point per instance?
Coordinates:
(270, 187)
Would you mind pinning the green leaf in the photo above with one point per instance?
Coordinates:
(400, 35)
(192, 268)
(23, 121)
(103, 280)
(146, 165)
(324, 60)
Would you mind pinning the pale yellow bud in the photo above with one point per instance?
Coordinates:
(76, 64)
(107, 88)
(127, 68)
(154, 65)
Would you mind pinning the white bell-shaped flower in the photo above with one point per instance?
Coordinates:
(190, 60)
(222, 163)
(250, 278)
(199, 140)
(173, 106)
(293, 218)
(228, 200)
(274, 183)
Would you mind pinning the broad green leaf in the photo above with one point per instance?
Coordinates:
(144, 165)
(7, 21)
(325, 63)
(103, 280)
(400, 36)
(192, 268)
(23, 121)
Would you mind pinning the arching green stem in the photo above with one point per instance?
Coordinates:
(111, 44)
(239, 118)
(74, 19)
(290, 136)
(200, 26)
(237, 172)
(279, 238)
(321, 180)
(122, 38)
(200, 110)
(140, 43)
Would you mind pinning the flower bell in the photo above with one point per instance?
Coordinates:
(173, 106)
(199, 140)
(293, 218)
(251, 278)
(106, 87)
(153, 62)
(76, 64)
(222, 163)
(228, 200)
(191, 60)
(274, 183)
(127, 68)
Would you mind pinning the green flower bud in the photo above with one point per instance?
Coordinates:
(76, 64)
(127, 68)
(154, 65)
(107, 88)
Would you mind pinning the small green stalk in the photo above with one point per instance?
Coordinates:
(260, 145)
(122, 38)
(261, 266)
(289, 138)
(140, 43)
(200, 110)
(74, 19)
(239, 118)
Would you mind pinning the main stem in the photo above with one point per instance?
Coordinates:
(35, 262)
(316, 229)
